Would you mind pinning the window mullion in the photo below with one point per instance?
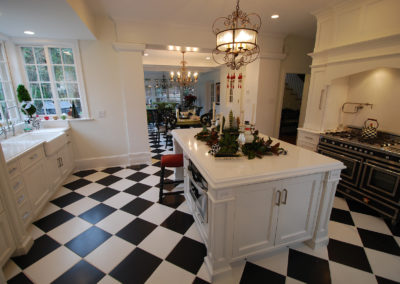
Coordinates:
(52, 81)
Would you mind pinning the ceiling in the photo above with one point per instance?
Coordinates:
(47, 18)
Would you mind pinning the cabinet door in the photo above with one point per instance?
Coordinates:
(7, 245)
(36, 185)
(297, 209)
(66, 160)
(53, 170)
(255, 218)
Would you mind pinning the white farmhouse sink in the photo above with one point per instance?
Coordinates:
(52, 142)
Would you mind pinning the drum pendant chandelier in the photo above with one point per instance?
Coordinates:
(236, 38)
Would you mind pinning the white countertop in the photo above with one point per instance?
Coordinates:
(238, 171)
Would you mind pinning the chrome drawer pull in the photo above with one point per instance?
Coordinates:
(33, 157)
(21, 199)
(12, 171)
(26, 215)
(16, 186)
(277, 202)
(284, 196)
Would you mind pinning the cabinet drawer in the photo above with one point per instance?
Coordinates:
(308, 146)
(31, 157)
(1, 207)
(25, 212)
(20, 198)
(308, 137)
(16, 184)
(12, 169)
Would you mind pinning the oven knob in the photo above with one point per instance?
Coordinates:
(341, 145)
(387, 157)
(366, 152)
(333, 142)
(345, 146)
(371, 153)
(350, 147)
(360, 150)
(355, 148)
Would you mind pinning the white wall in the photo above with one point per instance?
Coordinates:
(205, 79)
(381, 88)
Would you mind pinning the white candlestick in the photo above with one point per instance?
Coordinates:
(213, 118)
(220, 124)
(252, 113)
(242, 117)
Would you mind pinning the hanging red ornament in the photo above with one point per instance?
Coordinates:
(240, 77)
(228, 78)
(233, 80)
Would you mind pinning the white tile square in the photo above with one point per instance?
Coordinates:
(167, 272)
(184, 206)
(110, 253)
(290, 280)
(119, 200)
(89, 189)
(108, 280)
(193, 233)
(71, 178)
(160, 242)
(48, 209)
(34, 231)
(156, 213)
(114, 222)
(276, 261)
(10, 269)
(384, 264)
(60, 192)
(122, 184)
(340, 203)
(345, 274)
(50, 267)
(151, 194)
(81, 206)
(371, 223)
(321, 252)
(344, 233)
(151, 180)
(96, 176)
(150, 170)
(69, 230)
(124, 173)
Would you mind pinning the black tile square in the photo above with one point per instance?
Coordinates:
(256, 274)
(308, 268)
(87, 241)
(136, 231)
(341, 216)
(67, 199)
(137, 189)
(40, 248)
(137, 267)
(97, 213)
(382, 280)
(112, 170)
(53, 220)
(198, 280)
(378, 241)
(157, 157)
(361, 208)
(348, 254)
(173, 201)
(395, 229)
(82, 272)
(167, 173)
(77, 184)
(178, 221)
(188, 254)
(20, 278)
(157, 164)
(137, 167)
(137, 206)
(137, 176)
(84, 173)
(157, 151)
(108, 180)
(104, 194)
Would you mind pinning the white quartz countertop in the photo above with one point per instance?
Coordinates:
(14, 147)
(221, 172)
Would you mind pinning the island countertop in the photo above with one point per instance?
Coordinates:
(221, 172)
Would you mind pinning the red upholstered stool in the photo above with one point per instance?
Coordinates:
(170, 161)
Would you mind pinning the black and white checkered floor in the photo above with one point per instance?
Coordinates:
(105, 226)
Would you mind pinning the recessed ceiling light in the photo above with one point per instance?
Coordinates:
(195, 49)
(208, 57)
(29, 33)
(275, 16)
(146, 54)
(170, 47)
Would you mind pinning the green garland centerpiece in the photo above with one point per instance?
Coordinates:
(259, 147)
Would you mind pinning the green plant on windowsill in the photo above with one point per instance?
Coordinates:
(26, 102)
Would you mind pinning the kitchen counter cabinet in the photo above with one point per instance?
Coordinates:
(257, 206)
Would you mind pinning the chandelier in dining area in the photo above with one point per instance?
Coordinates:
(184, 77)
(236, 38)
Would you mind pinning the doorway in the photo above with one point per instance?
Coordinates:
(291, 106)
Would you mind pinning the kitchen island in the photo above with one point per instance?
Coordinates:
(248, 207)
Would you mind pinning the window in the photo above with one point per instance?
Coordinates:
(8, 104)
(52, 76)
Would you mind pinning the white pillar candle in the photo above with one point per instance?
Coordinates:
(213, 118)
(253, 110)
(221, 118)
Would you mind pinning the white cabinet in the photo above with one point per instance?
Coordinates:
(59, 165)
(7, 245)
(274, 214)
(36, 185)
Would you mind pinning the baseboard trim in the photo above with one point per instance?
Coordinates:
(113, 161)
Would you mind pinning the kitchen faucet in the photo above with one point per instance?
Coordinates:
(9, 124)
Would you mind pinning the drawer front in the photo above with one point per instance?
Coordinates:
(20, 198)
(17, 184)
(25, 213)
(308, 146)
(308, 137)
(31, 157)
(12, 169)
(1, 207)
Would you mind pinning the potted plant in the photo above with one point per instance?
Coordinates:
(26, 102)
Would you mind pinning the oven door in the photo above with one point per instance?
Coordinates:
(351, 174)
(382, 180)
(200, 199)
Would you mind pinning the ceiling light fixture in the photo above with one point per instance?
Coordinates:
(275, 16)
(29, 32)
(183, 76)
(146, 54)
(236, 38)
(208, 57)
